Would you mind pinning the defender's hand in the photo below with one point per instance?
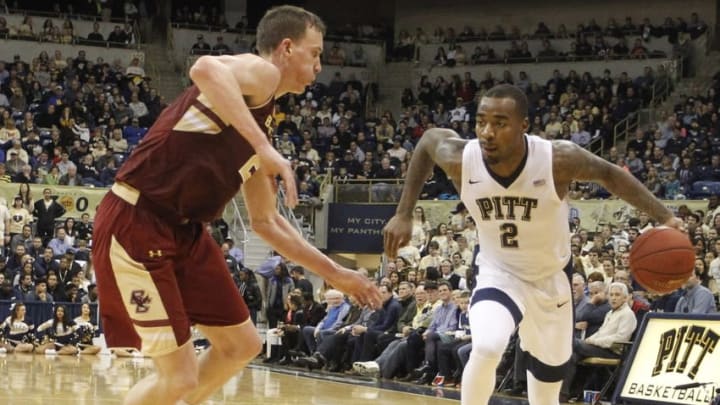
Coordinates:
(397, 233)
(358, 286)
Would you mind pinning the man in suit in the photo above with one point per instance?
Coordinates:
(46, 212)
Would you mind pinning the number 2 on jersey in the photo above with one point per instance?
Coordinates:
(508, 235)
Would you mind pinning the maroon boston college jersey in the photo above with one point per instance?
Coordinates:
(191, 163)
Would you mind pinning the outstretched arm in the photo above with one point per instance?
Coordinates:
(443, 147)
(571, 162)
(265, 220)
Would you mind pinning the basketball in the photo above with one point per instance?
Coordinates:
(662, 259)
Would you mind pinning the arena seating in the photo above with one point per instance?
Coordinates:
(333, 134)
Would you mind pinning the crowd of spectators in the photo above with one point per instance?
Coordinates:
(45, 274)
(339, 54)
(45, 261)
(50, 31)
(579, 108)
(210, 17)
(677, 157)
(518, 52)
(421, 334)
(589, 41)
(85, 9)
(416, 333)
(71, 121)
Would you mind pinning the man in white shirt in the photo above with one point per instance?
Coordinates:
(433, 259)
(459, 266)
(459, 113)
(619, 326)
(397, 151)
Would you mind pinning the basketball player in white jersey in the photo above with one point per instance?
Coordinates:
(514, 186)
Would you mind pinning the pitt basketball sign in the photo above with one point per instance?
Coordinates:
(675, 360)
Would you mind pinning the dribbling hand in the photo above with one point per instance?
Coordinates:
(274, 164)
(397, 233)
(676, 223)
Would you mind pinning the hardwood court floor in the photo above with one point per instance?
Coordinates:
(102, 380)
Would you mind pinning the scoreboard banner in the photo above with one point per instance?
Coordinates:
(675, 360)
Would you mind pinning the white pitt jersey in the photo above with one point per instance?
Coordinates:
(522, 228)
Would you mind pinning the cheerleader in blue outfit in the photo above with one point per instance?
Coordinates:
(59, 333)
(85, 329)
(15, 334)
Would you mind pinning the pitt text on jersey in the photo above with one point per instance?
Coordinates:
(507, 208)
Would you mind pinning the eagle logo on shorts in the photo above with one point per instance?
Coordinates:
(141, 300)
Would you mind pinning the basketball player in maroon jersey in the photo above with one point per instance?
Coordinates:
(158, 270)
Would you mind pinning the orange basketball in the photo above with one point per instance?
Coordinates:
(662, 259)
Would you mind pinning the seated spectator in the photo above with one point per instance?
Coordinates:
(449, 369)
(95, 35)
(336, 56)
(9, 132)
(337, 309)
(620, 49)
(358, 57)
(331, 352)
(13, 164)
(373, 338)
(590, 320)
(60, 243)
(122, 113)
(581, 136)
(26, 175)
(134, 69)
(697, 299)
(40, 294)
(639, 51)
(461, 57)
(52, 177)
(619, 326)
(117, 143)
(139, 109)
(88, 172)
(444, 320)
(45, 264)
(397, 151)
(391, 361)
(456, 281)
(134, 133)
(107, 174)
(17, 148)
(118, 36)
(220, 47)
(200, 47)
(25, 30)
(288, 331)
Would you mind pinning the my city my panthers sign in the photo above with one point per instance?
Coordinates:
(675, 360)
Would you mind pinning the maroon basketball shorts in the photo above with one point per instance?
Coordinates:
(156, 279)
